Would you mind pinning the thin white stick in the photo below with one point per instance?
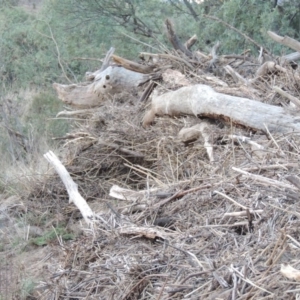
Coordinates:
(249, 281)
(230, 199)
(274, 141)
(296, 242)
(246, 140)
(71, 187)
(266, 180)
(243, 213)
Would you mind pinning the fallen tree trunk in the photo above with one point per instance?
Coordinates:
(202, 100)
(112, 80)
(285, 40)
(80, 96)
(292, 56)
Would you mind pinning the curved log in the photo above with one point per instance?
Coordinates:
(202, 100)
(112, 80)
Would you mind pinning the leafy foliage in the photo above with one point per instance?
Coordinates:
(35, 47)
(27, 287)
(27, 56)
(44, 105)
(52, 235)
(28, 127)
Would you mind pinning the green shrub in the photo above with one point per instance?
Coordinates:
(27, 287)
(51, 236)
(39, 115)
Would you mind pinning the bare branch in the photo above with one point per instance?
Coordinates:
(285, 40)
(238, 31)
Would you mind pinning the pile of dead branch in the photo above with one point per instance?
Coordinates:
(192, 195)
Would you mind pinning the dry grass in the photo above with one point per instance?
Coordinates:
(209, 252)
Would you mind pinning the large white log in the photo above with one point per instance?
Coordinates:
(112, 80)
(292, 56)
(202, 100)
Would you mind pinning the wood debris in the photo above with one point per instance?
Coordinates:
(192, 195)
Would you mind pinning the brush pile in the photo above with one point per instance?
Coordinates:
(188, 206)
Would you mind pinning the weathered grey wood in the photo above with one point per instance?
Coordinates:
(191, 42)
(285, 40)
(107, 59)
(115, 79)
(292, 56)
(112, 80)
(293, 99)
(202, 100)
(79, 96)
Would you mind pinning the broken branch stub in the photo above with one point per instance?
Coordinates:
(79, 96)
(202, 100)
(133, 66)
(193, 133)
(115, 79)
(111, 81)
(175, 41)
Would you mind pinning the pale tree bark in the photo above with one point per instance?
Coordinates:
(71, 187)
(202, 100)
(285, 40)
(112, 80)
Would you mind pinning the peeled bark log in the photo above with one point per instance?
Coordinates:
(202, 100)
(78, 96)
(292, 56)
(285, 40)
(115, 79)
(112, 80)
